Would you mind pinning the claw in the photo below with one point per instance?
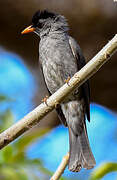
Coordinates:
(44, 100)
(67, 80)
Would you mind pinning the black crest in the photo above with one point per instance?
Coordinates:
(42, 15)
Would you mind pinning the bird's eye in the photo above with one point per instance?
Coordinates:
(40, 23)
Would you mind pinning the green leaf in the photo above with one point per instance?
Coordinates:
(19, 158)
(7, 154)
(22, 175)
(9, 173)
(5, 98)
(36, 162)
(6, 119)
(29, 138)
(102, 170)
(45, 170)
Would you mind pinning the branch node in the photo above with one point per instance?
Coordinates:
(107, 55)
(77, 77)
(56, 103)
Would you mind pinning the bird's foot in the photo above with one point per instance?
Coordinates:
(67, 80)
(44, 100)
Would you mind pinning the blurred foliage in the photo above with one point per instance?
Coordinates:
(4, 98)
(103, 170)
(14, 164)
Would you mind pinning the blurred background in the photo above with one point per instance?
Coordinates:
(37, 154)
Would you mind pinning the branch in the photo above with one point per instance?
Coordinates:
(43, 109)
(61, 168)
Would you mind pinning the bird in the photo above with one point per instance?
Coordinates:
(60, 58)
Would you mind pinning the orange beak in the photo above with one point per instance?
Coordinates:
(28, 30)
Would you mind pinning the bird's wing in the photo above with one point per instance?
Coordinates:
(61, 115)
(58, 108)
(77, 53)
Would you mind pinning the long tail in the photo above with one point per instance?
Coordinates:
(80, 152)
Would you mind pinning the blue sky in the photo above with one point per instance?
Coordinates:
(17, 82)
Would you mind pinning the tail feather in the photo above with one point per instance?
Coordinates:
(86, 150)
(75, 153)
(80, 152)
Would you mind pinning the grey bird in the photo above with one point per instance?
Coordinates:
(60, 57)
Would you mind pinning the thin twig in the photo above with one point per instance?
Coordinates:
(77, 80)
(61, 168)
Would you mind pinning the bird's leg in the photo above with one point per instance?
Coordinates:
(44, 100)
(67, 80)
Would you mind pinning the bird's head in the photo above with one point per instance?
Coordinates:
(45, 21)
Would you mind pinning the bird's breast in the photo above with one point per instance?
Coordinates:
(57, 62)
